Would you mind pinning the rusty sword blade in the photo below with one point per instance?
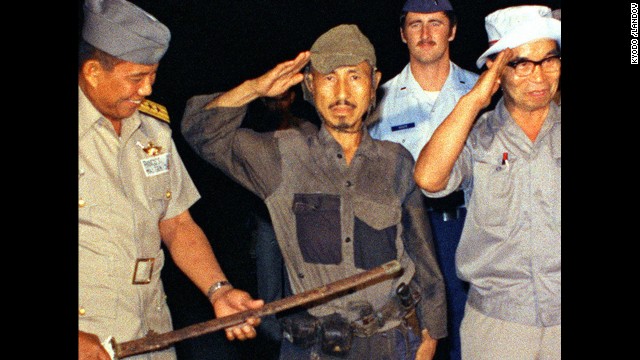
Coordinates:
(154, 341)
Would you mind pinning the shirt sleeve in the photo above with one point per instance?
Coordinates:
(428, 279)
(460, 177)
(252, 159)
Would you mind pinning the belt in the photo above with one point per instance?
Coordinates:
(371, 321)
(451, 201)
(446, 214)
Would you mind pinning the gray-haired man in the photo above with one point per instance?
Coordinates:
(341, 202)
(509, 163)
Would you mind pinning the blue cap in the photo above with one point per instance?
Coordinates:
(427, 6)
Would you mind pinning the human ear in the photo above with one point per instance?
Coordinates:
(377, 76)
(454, 30)
(308, 82)
(404, 39)
(91, 69)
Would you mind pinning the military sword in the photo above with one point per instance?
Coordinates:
(154, 341)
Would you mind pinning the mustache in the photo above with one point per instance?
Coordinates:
(342, 103)
(426, 42)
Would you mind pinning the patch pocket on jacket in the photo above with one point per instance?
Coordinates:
(97, 298)
(318, 227)
(158, 192)
(493, 190)
(375, 239)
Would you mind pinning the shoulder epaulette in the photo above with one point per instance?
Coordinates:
(154, 109)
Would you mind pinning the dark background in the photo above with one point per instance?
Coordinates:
(216, 45)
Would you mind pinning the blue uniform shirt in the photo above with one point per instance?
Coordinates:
(406, 116)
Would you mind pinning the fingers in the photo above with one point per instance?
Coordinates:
(241, 332)
(501, 61)
(255, 304)
(288, 73)
(291, 67)
(234, 301)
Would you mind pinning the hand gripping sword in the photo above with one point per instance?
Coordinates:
(154, 341)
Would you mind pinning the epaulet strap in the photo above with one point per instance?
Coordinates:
(154, 109)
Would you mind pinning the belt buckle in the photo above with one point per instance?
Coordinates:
(448, 215)
(143, 271)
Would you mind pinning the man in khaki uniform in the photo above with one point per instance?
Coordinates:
(134, 191)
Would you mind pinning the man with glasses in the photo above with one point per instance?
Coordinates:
(508, 162)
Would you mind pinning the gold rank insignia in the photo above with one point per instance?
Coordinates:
(151, 149)
(154, 109)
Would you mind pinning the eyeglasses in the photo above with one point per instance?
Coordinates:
(524, 67)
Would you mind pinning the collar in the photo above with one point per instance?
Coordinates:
(89, 116)
(367, 146)
(454, 79)
(503, 117)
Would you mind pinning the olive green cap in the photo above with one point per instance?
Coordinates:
(343, 45)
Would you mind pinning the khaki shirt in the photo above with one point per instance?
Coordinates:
(121, 201)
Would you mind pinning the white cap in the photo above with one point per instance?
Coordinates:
(517, 25)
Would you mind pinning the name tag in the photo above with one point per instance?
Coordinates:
(155, 165)
(403, 126)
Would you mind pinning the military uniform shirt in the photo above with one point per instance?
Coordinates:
(405, 114)
(120, 204)
(510, 246)
(331, 220)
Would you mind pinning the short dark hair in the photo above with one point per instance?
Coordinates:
(87, 52)
(453, 18)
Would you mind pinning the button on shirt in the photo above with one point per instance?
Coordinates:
(331, 220)
(510, 246)
(120, 204)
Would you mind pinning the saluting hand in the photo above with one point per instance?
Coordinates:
(489, 81)
(274, 82)
(282, 77)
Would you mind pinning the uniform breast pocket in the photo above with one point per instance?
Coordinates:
(318, 227)
(158, 192)
(492, 191)
(375, 232)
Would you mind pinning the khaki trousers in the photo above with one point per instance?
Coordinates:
(487, 338)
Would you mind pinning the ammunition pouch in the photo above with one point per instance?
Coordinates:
(301, 329)
(336, 335)
(333, 332)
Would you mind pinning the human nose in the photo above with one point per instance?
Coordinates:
(146, 88)
(425, 33)
(536, 72)
(342, 89)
